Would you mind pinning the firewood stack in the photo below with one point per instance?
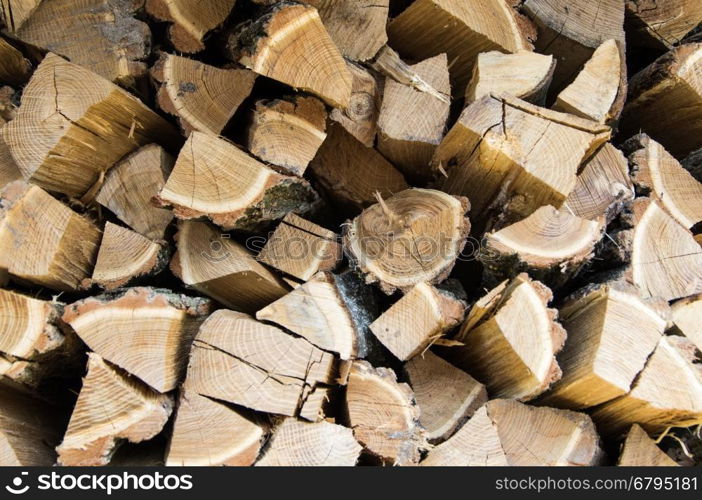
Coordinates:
(341, 232)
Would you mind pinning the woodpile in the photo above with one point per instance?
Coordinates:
(350, 232)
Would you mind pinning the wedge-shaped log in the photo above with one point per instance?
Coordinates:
(384, 415)
(73, 125)
(685, 316)
(239, 360)
(228, 437)
(111, 407)
(510, 340)
(660, 25)
(214, 264)
(667, 393)
(145, 331)
(510, 157)
(413, 237)
(611, 334)
(447, 396)
(290, 44)
(303, 444)
(44, 242)
(14, 68)
(330, 311)
(360, 117)
(505, 432)
(203, 97)
(639, 450)
(16, 12)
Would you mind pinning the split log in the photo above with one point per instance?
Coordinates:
(599, 91)
(611, 334)
(686, 314)
(14, 13)
(665, 96)
(508, 433)
(356, 27)
(302, 444)
(239, 360)
(384, 415)
(572, 30)
(8, 168)
(34, 343)
(639, 450)
(667, 393)
(44, 242)
(278, 45)
(203, 97)
(101, 35)
(550, 245)
(126, 256)
(14, 68)
(111, 407)
(288, 133)
(145, 331)
(351, 173)
(413, 237)
(418, 320)
(214, 178)
(191, 20)
(130, 185)
(660, 256)
(317, 404)
(524, 74)
(215, 265)
(411, 123)
(511, 346)
(661, 25)
(333, 312)
(447, 397)
(657, 174)
(360, 117)
(211, 433)
(510, 157)
(29, 430)
(603, 186)
(74, 125)
(301, 248)
(460, 29)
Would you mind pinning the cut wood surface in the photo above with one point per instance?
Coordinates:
(330, 311)
(351, 173)
(130, 185)
(506, 432)
(191, 20)
(213, 178)
(534, 155)
(38, 236)
(73, 125)
(512, 346)
(301, 248)
(111, 407)
(243, 361)
(611, 334)
(524, 74)
(14, 68)
(16, 12)
(229, 438)
(447, 396)
(667, 392)
(460, 29)
(145, 331)
(125, 256)
(639, 450)
(101, 35)
(317, 404)
(213, 264)
(203, 97)
(656, 24)
(384, 415)
(413, 237)
(685, 316)
(303, 444)
(278, 45)
(417, 320)
(288, 133)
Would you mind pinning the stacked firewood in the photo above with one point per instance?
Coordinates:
(339, 232)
